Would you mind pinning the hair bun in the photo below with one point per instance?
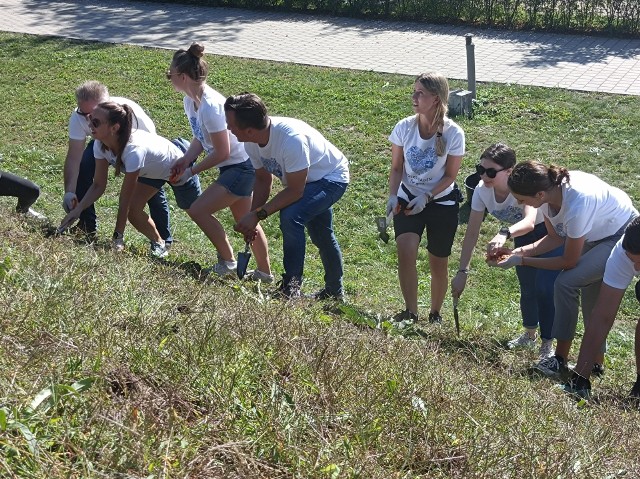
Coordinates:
(196, 49)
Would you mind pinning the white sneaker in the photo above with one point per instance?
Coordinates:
(546, 349)
(522, 341)
(225, 268)
(257, 275)
(158, 250)
(31, 213)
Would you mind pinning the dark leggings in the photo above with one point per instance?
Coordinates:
(26, 191)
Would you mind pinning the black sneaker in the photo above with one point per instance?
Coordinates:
(597, 370)
(553, 367)
(635, 392)
(578, 387)
(435, 318)
(324, 293)
(404, 318)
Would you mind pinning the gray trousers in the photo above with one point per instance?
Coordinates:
(582, 281)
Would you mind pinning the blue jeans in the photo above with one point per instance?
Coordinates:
(313, 211)
(536, 287)
(158, 205)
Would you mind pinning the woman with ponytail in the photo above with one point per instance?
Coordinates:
(146, 160)
(426, 154)
(233, 188)
(585, 215)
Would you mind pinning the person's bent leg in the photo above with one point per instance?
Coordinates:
(159, 212)
(259, 245)
(214, 198)
(589, 297)
(26, 191)
(137, 216)
(88, 221)
(439, 281)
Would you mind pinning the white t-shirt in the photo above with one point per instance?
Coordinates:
(153, 155)
(423, 169)
(509, 211)
(590, 208)
(79, 128)
(619, 271)
(293, 146)
(209, 118)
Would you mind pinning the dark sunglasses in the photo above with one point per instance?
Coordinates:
(490, 172)
(169, 74)
(81, 113)
(95, 123)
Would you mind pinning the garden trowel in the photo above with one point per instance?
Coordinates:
(456, 318)
(243, 260)
(383, 223)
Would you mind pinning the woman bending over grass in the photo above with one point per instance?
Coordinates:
(146, 159)
(426, 154)
(586, 216)
(525, 225)
(233, 188)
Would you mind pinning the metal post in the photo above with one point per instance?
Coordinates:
(471, 65)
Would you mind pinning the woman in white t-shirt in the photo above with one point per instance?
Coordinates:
(146, 159)
(588, 217)
(233, 188)
(525, 225)
(427, 150)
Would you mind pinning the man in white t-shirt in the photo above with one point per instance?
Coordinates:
(79, 165)
(623, 264)
(314, 174)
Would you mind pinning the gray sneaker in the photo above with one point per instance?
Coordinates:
(553, 367)
(224, 268)
(257, 275)
(546, 349)
(158, 250)
(524, 341)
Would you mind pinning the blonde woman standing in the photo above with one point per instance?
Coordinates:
(427, 150)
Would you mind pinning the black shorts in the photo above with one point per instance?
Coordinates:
(440, 221)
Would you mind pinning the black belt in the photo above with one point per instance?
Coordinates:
(454, 195)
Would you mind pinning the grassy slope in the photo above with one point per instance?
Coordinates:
(213, 380)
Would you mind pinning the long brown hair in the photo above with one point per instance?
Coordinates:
(121, 115)
(531, 177)
(438, 85)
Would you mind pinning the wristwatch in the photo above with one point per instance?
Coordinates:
(505, 232)
(262, 214)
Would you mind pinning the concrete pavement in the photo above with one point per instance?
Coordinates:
(574, 62)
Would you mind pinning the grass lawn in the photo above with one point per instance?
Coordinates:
(119, 366)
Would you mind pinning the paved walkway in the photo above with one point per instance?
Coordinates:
(566, 61)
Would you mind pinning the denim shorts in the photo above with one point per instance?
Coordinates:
(185, 194)
(238, 179)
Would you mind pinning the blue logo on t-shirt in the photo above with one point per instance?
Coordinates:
(272, 166)
(420, 160)
(195, 128)
(511, 214)
(560, 230)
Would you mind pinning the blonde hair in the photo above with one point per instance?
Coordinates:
(92, 90)
(438, 85)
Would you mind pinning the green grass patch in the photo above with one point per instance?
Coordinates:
(119, 366)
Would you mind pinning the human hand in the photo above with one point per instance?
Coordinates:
(392, 205)
(69, 201)
(495, 245)
(69, 220)
(247, 224)
(177, 169)
(506, 262)
(182, 179)
(250, 238)
(417, 204)
(458, 283)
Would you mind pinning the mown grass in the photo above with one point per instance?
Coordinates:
(119, 366)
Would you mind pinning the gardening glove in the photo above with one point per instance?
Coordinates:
(117, 243)
(510, 262)
(69, 201)
(392, 205)
(417, 204)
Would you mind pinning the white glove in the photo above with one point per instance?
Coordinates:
(417, 204)
(510, 262)
(69, 201)
(392, 205)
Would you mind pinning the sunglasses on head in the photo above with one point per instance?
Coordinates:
(95, 123)
(81, 113)
(490, 172)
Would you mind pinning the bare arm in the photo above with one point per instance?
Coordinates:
(397, 168)
(452, 167)
(262, 188)
(94, 192)
(126, 192)
(72, 164)
(459, 281)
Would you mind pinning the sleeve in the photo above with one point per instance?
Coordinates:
(477, 200)
(133, 157)
(580, 217)
(76, 130)
(213, 118)
(456, 146)
(397, 136)
(295, 154)
(619, 270)
(251, 149)
(98, 154)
